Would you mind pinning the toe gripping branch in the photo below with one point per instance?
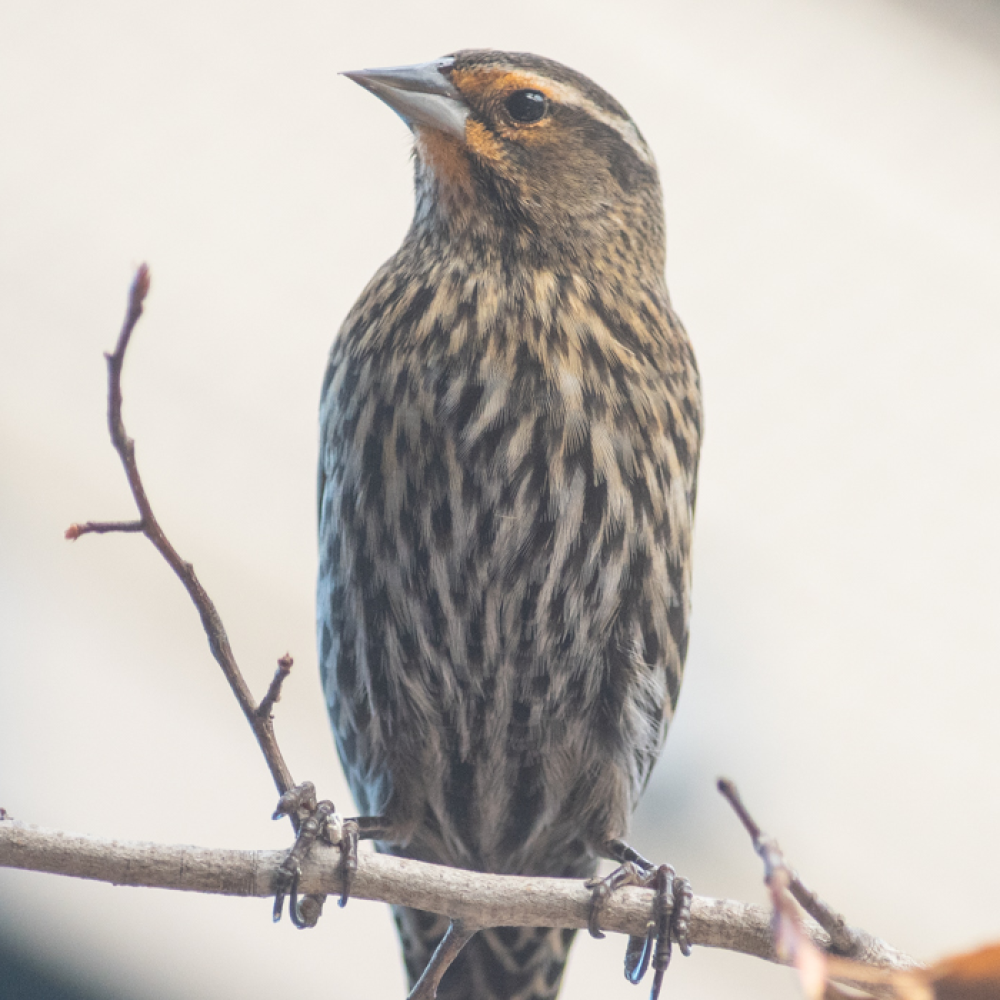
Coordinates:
(318, 821)
(312, 820)
(671, 913)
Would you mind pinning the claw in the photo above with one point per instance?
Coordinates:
(671, 914)
(663, 882)
(348, 857)
(681, 921)
(304, 913)
(638, 953)
(625, 874)
(313, 820)
(673, 908)
(318, 821)
(597, 901)
(281, 890)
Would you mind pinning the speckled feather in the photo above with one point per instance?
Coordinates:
(510, 427)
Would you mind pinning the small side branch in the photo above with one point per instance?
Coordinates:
(845, 958)
(455, 939)
(266, 706)
(844, 940)
(74, 531)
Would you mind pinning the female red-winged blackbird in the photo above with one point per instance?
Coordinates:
(511, 421)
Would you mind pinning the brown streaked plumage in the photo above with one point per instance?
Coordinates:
(510, 427)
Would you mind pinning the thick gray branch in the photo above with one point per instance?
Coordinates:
(478, 899)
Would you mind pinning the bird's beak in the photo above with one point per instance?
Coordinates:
(420, 95)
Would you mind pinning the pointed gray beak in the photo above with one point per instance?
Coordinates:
(420, 95)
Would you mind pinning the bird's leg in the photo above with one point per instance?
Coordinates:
(671, 914)
(317, 820)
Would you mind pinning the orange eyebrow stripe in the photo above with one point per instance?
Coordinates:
(479, 80)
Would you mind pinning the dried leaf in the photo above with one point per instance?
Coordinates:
(973, 975)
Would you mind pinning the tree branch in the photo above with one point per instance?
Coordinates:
(477, 899)
(148, 525)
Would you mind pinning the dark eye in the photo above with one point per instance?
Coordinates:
(526, 106)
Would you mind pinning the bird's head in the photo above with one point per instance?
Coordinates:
(521, 151)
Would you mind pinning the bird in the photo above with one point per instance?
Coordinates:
(510, 425)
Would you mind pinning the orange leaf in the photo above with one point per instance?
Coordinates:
(973, 975)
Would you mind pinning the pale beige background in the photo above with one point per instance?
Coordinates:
(831, 179)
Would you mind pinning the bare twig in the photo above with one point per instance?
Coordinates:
(266, 706)
(74, 531)
(481, 900)
(148, 525)
(844, 940)
(455, 939)
(795, 942)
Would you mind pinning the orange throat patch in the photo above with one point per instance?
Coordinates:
(447, 158)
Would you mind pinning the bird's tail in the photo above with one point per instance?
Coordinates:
(502, 963)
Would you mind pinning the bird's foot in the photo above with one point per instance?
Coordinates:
(314, 820)
(671, 913)
(318, 820)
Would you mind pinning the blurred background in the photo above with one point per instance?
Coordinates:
(831, 182)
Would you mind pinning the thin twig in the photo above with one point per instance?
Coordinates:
(267, 703)
(455, 939)
(148, 525)
(75, 531)
(844, 940)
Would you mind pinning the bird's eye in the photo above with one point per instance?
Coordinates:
(526, 106)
